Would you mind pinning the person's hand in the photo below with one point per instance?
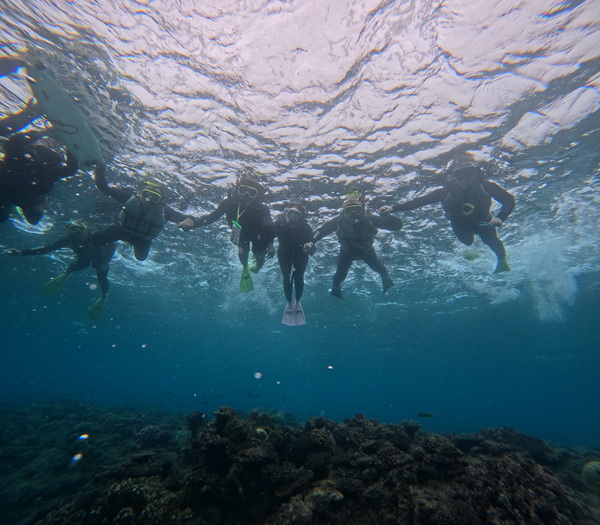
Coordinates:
(496, 222)
(187, 224)
(11, 252)
(270, 250)
(309, 248)
(385, 210)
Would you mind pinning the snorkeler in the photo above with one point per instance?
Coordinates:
(28, 173)
(356, 230)
(467, 199)
(143, 215)
(295, 244)
(250, 221)
(87, 253)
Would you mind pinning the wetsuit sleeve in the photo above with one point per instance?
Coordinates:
(278, 225)
(267, 224)
(213, 216)
(327, 228)
(429, 198)
(116, 192)
(502, 196)
(174, 215)
(63, 242)
(307, 233)
(386, 222)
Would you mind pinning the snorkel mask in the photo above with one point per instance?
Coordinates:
(77, 227)
(152, 192)
(354, 207)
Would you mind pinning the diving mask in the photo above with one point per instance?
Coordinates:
(77, 227)
(353, 210)
(247, 191)
(151, 195)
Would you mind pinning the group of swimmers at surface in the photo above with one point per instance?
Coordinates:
(31, 166)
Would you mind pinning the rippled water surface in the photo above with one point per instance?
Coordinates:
(323, 98)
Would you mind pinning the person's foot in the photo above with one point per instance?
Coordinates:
(502, 266)
(336, 291)
(387, 283)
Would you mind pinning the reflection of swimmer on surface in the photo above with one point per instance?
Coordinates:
(144, 214)
(87, 253)
(467, 199)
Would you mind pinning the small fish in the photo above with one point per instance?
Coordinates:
(425, 414)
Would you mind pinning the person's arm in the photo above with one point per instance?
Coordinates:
(386, 222)
(327, 228)
(429, 198)
(506, 199)
(63, 242)
(116, 192)
(213, 216)
(173, 215)
(69, 169)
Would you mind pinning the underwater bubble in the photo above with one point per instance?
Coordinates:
(257, 375)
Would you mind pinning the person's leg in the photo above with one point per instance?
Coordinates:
(243, 250)
(80, 263)
(300, 264)
(141, 248)
(463, 234)
(285, 265)
(102, 276)
(489, 236)
(259, 252)
(370, 257)
(34, 212)
(345, 260)
(111, 234)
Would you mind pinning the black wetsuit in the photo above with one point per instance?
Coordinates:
(356, 242)
(292, 258)
(255, 220)
(87, 253)
(468, 210)
(137, 230)
(26, 178)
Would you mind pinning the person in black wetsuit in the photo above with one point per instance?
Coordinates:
(28, 173)
(250, 221)
(295, 244)
(87, 253)
(467, 199)
(356, 230)
(142, 217)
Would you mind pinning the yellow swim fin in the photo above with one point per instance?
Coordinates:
(96, 309)
(246, 284)
(53, 286)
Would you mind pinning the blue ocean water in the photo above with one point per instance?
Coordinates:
(375, 99)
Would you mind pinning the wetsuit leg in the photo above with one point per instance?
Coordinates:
(370, 257)
(300, 264)
(141, 247)
(345, 260)
(489, 236)
(284, 257)
(259, 250)
(464, 234)
(34, 212)
(111, 234)
(80, 263)
(102, 276)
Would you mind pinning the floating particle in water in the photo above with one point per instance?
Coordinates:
(76, 458)
(93, 286)
(257, 375)
(83, 437)
(330, 367)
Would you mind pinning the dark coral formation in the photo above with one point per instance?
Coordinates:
(265, 469)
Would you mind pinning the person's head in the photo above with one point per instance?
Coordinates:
(353, 206)
(464, 170)
(294, 212)
(248, 188)
(77, 228)
(152, 192)
(47, 156)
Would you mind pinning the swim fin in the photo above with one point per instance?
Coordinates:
(502, 266)
(289, 318)
(95, 311)
(53, 286)
(387, 283)
(253, 264)
(299, 314)
(246, 284)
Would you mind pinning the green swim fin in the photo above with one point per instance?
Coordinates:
(246, 284)
(96, 309)
(253, 264)
(53, 286)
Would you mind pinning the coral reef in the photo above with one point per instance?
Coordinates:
(157, 468)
